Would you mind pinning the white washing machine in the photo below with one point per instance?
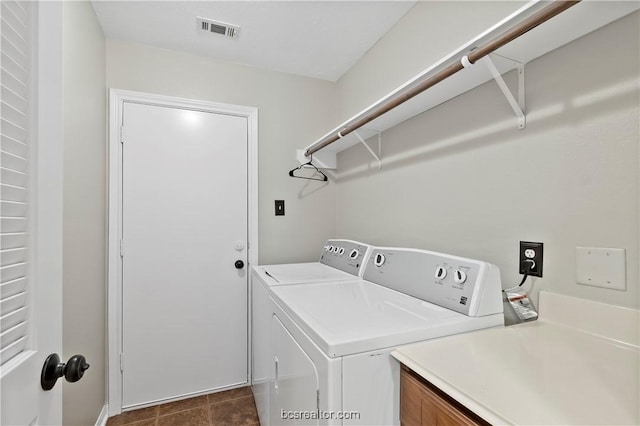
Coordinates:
(331, 342)
(339, 260)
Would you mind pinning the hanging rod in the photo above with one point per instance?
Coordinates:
(546, 13)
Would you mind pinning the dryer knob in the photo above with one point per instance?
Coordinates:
(459, 277)
(379, 260)
(441, 273)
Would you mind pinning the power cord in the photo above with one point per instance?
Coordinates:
(526, 275)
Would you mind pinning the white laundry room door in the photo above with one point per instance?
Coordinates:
(184, 232)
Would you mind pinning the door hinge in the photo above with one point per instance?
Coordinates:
(121, 248)
(121, 362)
(121, 134)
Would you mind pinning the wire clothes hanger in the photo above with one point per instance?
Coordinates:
(324, 177)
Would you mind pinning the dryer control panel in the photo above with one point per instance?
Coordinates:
(468, 286)
(348, 256)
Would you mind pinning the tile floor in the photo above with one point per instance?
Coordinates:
(228, 408)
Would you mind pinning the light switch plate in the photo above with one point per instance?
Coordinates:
(279, 204)
(601, 267)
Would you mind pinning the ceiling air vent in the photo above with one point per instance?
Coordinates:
(216, 27)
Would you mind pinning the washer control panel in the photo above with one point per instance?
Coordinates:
(449, 281)
(346, 255)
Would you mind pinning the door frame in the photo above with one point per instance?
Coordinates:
(117, 98)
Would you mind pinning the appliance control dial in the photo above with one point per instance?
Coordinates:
(354, 254)
(341, 251)
(459, 277)
(379, 260)
(441, 272)
(332, 249)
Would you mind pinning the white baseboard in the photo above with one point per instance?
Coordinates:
(104, 415)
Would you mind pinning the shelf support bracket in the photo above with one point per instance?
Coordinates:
(516, 105)
(376, 156)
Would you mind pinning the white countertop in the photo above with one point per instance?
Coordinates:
(578, 364)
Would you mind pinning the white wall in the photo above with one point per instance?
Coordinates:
(461, 179)
(293, 110)
(84, 198)
(428, 32)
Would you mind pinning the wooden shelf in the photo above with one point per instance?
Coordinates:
(583, 18)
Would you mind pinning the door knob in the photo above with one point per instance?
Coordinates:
(239, 264)
(53, 369)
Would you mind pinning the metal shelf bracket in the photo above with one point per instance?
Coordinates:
(518, 106)
(376, 156)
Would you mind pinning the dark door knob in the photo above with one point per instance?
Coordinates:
(76, 366)
(53, 369)
(239, 264)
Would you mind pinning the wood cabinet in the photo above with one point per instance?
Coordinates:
(422, 404)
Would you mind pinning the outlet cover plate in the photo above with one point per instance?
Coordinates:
(601, 267)
(537, 256)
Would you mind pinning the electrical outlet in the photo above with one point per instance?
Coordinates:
(279, 207)
(531, 255)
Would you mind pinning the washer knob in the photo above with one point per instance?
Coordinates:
(341, 251)
(354, 254)
(459, 276)
(379, 260)
(441, 273)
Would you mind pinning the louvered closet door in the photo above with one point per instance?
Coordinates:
(29, 319)
(14, 195)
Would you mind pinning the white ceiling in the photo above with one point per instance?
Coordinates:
(320, 39)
